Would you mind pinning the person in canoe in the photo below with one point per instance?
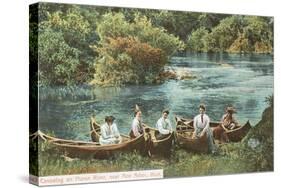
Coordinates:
(202, 126)
(137, 127)
(164, 126)
(109, 132)
(228, 122)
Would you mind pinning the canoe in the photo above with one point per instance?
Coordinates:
(160, 147)
(184, 131)
(238, 133)
(152, 146)
(83, 149)
(234, 135)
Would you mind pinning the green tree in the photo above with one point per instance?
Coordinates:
(127, 61)
(196, 41)
(223, 35)
(71, 29)
(115, 25)
(140, 62)
(256, 36)
(57, 60)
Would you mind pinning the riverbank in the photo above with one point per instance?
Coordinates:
(253, 154)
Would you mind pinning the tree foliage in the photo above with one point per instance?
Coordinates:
(67, 34)
(235, 34)
(63, 47)
(115, 25)
(128, 61)
(196, 41)
(131, 52)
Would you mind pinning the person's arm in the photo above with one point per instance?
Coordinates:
(115, 130)
(103, 133)
(160, 127)
(235, 121)
(207, 126)
(222, 121)
(170, 126)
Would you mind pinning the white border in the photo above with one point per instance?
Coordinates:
(14, 89)
(96, 177)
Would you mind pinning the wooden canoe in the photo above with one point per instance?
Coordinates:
(160, 147)
(185, 141)
(155, 147)
(83, 149)
(234, 135)
(184, 132)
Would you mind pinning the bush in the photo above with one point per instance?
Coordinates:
(114, 25)
(64, 54)
(57, 60)
(196, 41)
(127, 61)
(131, 52)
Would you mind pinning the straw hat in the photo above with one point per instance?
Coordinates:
(230, 109)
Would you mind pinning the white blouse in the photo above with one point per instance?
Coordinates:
(164, 126)
(200, 125)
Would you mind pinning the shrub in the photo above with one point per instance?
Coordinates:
(196, 41)
(128, 61)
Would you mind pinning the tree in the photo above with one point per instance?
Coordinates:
(72, 61)
(115, 25)
(224, 34)
(196, 41)
(127, 61)
(57, 60)
(138, 48)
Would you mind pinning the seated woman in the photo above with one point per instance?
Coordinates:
(137, 127)
(228, 122)
(202, 126)
(109, 132)
(164, 126)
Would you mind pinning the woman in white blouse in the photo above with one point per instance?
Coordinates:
(109, 132)
(164, 126)
(136, 127)
(201, 124)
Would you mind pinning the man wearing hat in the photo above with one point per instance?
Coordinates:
(228, 121)
(109, 132)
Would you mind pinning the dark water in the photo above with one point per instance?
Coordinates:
(221, 79)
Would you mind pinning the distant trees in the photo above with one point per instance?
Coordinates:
(79, 43)
(63, 47)
(197, 40)
(131, 52)
(234, 34)
(127, 60)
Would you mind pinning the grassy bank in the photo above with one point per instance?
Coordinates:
(253, 154)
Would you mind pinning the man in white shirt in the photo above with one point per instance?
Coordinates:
(201, 124)
(164, 126)
(109, 132)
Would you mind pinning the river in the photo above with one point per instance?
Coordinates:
(242, 81)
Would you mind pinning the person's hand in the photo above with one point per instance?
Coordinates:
(201, 134)
(193, 136)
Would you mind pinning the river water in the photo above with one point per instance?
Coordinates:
(242, 81)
